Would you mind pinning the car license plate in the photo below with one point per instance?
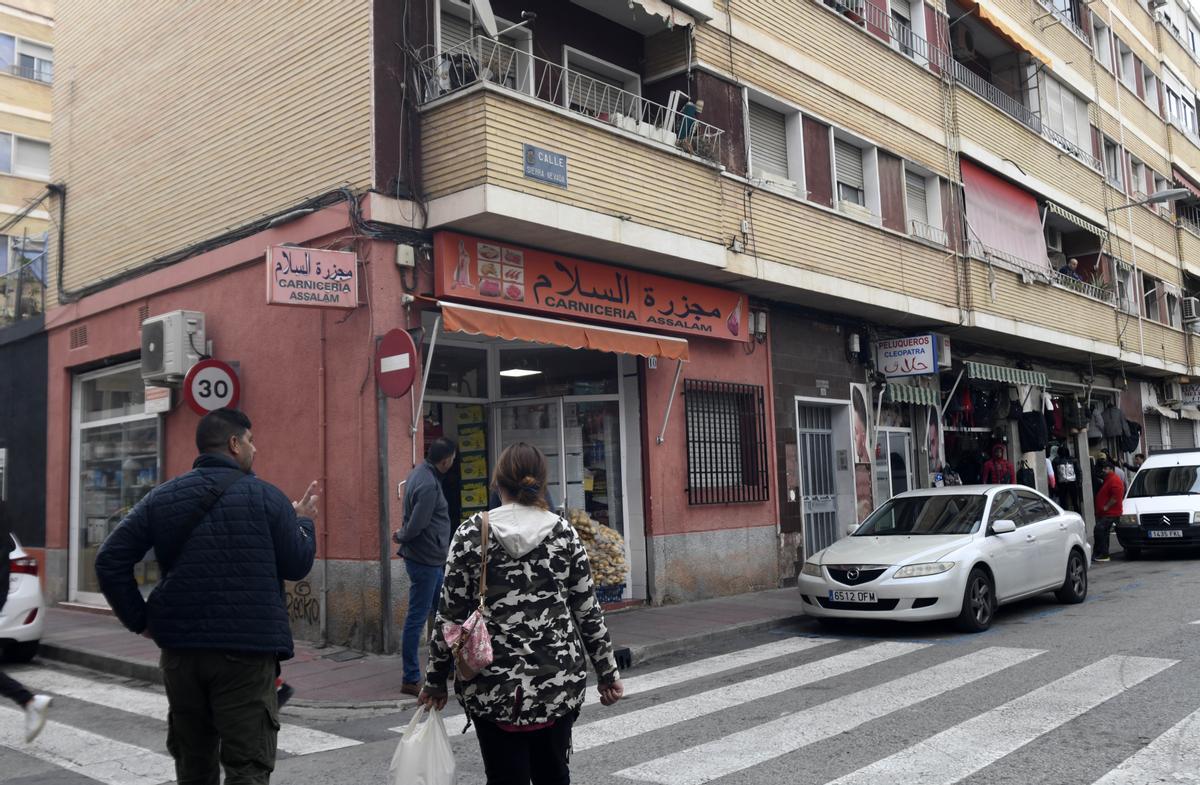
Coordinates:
(1154, 533)
(840, 595)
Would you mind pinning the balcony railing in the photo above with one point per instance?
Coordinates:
(36, 73)
(1095, 291)
(1065, 18)
(481, 60)
(930, 234)
(22, 292)
(1072, 149)
(1189, 217)
(987, 253)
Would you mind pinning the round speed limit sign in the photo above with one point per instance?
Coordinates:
(211, 385)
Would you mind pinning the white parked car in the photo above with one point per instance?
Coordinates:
(950, 553)
(24, 612)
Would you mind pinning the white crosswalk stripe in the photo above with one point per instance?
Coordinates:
(635, 723)
(83, 752)
(761, 743)
(293, 739)
(1174, 757)
(957, 753)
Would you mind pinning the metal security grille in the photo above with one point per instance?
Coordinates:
(1183, 435)
(818, 488)
(726, 442)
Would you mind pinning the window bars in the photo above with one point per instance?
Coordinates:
(726, 442)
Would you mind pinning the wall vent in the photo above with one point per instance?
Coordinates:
(79, 337)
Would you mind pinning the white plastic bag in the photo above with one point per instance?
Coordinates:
(423, 756)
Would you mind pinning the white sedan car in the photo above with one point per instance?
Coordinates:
(23, 614)
(929, 554)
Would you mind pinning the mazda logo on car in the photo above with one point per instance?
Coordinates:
(852, 574)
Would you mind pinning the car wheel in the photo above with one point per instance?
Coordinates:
(979, 603)
(1133, 553)
(20, 652)
(1075, 585)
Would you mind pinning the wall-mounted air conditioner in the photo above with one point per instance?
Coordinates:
(1191, 310)
(171, 344)
(1172, 392)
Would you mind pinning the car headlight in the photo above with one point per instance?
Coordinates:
(921, 570)
(1131, 520)
(811, 569)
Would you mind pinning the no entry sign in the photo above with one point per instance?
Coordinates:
(396, 363)
(211, 385)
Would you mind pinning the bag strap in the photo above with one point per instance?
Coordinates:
(215, 491)
(483, 551)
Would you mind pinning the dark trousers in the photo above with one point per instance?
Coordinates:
(223, 712)
(14, 690)
(1100, 533)
(539, 756)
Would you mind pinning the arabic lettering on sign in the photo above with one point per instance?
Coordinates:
(468, 268)
(915, 356)
(312, 276)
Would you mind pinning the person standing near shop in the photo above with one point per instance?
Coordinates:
(1066, 473)
(424, 540)
(1108, 509)
(225, 541)
(34, 706)
(998, 470)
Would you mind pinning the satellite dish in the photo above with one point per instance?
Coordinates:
(487, 20)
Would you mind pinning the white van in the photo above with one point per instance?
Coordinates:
(1162, 504)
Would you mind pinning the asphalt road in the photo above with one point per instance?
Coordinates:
(1105, 692)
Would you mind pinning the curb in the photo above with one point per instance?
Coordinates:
(640, 655)
(105, 663)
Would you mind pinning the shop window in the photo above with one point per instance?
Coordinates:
(540, 373)
(726, 442)
(458, 371)
(1102, 42)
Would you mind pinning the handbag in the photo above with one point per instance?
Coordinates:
(1025, 475)
(470, 642)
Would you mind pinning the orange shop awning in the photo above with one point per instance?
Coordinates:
(520, 327)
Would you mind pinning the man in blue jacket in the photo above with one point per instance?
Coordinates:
(225, 542)
(424, 542)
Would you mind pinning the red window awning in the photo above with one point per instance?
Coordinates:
(1003, 217)
(1184, 181)
(555, 332)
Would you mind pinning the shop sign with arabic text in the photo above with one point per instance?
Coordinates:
(311, 276)
(915, 356)
(502, 275)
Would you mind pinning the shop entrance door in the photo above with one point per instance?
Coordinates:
(818, 478)
(893, 463)
(539, 422)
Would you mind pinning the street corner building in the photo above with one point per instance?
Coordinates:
(742, 271)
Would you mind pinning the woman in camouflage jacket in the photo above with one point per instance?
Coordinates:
(539, 589)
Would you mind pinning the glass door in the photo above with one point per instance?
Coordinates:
(539, 422)
(116, 457)
(893, 463)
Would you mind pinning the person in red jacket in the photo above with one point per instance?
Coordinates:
(998, 470)
(1108, 509)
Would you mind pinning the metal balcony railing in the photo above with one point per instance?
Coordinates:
(36, 73)
(930, 234)
(1072, 149)
(987, 253)
(22, 292)
(1065, 18)
(1189, 217)
(481, 60)
(1103, 293)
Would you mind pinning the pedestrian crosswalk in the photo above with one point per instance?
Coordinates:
(838, 711)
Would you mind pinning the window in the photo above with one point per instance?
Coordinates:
(507, 62)
(1005, 507)
(1065, 113)
(848, 163)
(726, 442)
(31, 158)
(1034, 508)
(1137, 185)
(34, 61)
(1112, 164)
(1193, 39)
(1160, 184)
(1174, 314)
(28, 252)
(768, 143)
(1126, 62)
(1102, 42)
(1126, 298)
(1150, 298)
(600, 89)
(1150, 87)
(902, 25)
(914, 191)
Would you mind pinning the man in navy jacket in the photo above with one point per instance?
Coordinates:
(218, 613)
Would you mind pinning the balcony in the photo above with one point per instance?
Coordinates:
(484, 61)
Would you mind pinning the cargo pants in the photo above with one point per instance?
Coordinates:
(223, 712)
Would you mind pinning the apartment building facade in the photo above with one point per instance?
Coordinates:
(741, 270)
(26, 74)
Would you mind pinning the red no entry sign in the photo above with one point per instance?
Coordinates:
(396, 363)
(211, 385)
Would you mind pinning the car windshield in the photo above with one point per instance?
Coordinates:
(940, 514)
(1166, 481)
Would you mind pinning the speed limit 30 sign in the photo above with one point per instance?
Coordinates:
(211, 385)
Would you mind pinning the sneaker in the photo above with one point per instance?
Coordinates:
(284, 693)
(1102, 558)
(35, 716)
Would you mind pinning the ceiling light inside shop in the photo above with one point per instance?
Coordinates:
(517, 373)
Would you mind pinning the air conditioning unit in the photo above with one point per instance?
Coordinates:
(963, 41)
(1191, 310)
(943, 351)
(1172, 392)
(1054, 240)
(171, 344)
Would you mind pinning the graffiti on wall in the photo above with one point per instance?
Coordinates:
(302, 606)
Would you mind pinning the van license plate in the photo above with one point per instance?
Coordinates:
(1155, 533)
(838, 595)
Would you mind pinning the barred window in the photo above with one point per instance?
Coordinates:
(726, 442)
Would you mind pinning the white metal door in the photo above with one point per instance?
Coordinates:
(818, 476)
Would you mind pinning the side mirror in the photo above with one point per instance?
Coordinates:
(851, 529)
(1003, 527)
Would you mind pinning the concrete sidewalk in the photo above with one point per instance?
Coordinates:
(334, 676)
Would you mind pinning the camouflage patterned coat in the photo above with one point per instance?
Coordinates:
(539, 587)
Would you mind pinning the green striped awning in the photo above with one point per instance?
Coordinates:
(910, 393)
(1082, 223)
(1002, 373)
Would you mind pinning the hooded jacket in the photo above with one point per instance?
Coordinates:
(539, 589)
(1112, 491)
(998, 470)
